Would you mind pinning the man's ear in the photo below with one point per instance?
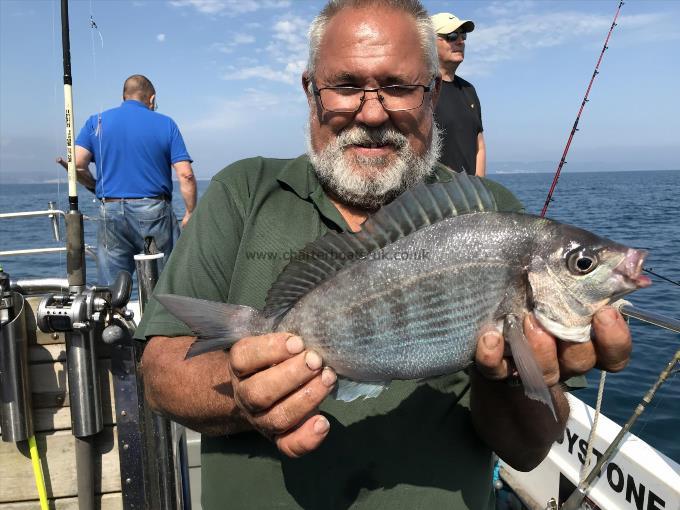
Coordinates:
(436, 90)
(152, 102)
(307, 87)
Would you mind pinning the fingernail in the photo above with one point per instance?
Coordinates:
(313, 360)
(607, 316)
(491, 340)
(328, 377)
(295, 345)
(321, 426)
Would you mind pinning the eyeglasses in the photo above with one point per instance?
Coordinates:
(393, 98)
(453, 36)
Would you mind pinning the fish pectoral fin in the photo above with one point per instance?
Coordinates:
(531, 374)
(348, 390)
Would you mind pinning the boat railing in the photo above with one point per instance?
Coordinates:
(152, 451)
(53, 215)
(654, 318)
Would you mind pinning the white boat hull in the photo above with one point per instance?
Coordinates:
(638, 477)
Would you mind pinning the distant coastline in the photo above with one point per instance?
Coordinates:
(507, 172)
(62, 181)
(13, 180)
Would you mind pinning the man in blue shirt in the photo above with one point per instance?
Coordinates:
(133, 148)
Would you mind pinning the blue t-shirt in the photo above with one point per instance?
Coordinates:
(133, 149)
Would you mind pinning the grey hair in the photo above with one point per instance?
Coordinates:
(413, 7)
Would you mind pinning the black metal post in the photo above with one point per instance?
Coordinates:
(158, 428)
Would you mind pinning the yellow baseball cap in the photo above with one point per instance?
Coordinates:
(445, 23)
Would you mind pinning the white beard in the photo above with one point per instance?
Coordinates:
(365, 182)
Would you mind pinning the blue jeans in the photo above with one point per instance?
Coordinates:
(123, 225)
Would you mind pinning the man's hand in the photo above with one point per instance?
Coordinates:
(278, 387)
(609, 350)
(521, 430)
(185, 219)
(83, 157)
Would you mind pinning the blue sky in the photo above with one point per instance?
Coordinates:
(228, 72)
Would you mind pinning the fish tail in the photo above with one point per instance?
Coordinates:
(531, 374)
(217, 326)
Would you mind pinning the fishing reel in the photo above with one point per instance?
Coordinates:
(81, 310)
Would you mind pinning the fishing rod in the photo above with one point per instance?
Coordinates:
(81, 358)
(575, 499)
(627, 310)
(150, 480)
(578, 116)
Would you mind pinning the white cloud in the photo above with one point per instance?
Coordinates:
(282, 58)
(643, 28)
(501, 40)
(508, 7)
(538, 30)
(242, 39)
(160, 37)
(24, 14)
(229, 7)
(222, 48)
(237, 112)
(262, 72)
(235, 40)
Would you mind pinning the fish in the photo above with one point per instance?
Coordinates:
(407, 296)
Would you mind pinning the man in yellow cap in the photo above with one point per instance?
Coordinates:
(458, 111)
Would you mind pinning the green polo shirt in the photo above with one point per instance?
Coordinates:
(412, 447)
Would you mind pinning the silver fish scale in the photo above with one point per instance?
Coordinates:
(381, 319)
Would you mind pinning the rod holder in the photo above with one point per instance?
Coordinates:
(165, 484)
(83, 381)
(15, 393)
(147, 276)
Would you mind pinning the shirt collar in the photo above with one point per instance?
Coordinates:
(134, 102)
(299, 175)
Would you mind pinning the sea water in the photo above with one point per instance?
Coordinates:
(640, 209)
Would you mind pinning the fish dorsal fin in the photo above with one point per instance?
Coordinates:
(416, 208)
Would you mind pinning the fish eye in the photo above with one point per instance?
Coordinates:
(581, 261)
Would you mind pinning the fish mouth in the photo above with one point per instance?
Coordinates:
(630, 268)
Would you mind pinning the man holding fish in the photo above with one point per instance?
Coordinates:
(278, 430)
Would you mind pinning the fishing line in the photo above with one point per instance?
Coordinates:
(99, 132)
(650, 271)
(591, 437)
(661, 398)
